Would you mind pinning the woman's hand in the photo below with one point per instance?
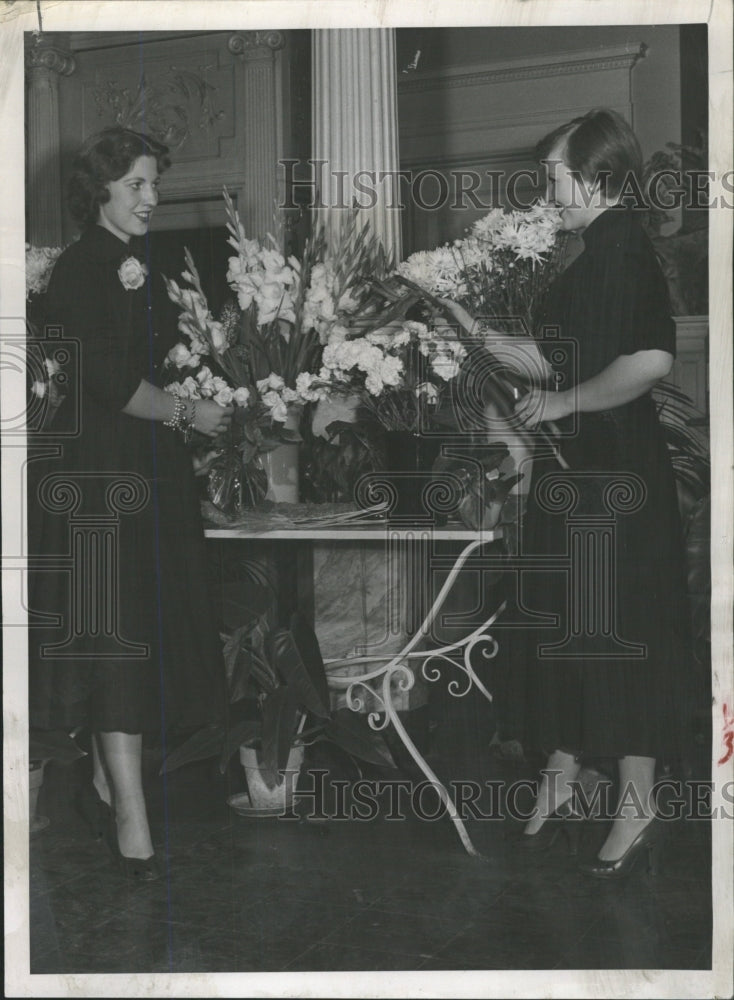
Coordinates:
(203, 462)
(539, 406)
(460, 314)
(211, 418)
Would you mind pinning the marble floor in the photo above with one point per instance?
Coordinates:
(377, 894)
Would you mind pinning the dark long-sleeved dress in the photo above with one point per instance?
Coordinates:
(122, 635)
(609, 679)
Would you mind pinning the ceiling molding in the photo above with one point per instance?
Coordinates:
(87, 40)
(538, 67)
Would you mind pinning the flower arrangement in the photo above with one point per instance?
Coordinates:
(400, 371)
(291, 309)
(263, 351)
(39, 263)
(46, 381)
(501, 271)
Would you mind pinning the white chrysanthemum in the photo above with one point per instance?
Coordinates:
(488, 225)
(39, 263)
(438, 271)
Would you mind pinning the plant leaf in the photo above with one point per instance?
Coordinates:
(295, 654)
(241, 732)
(203, 744)
(279, 720)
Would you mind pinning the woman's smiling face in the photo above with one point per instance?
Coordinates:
(132, 200)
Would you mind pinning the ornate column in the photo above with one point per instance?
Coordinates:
(355, 126)
(45, 63)
(355, 133)
(263, 104)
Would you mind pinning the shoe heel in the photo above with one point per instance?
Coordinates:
(96, 813)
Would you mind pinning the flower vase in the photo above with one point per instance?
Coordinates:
(409, 462)
(281, 464)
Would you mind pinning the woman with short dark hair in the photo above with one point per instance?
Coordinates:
(609, 684)
(128, 645)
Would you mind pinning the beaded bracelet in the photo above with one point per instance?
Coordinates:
(179, 409)
(187, 428)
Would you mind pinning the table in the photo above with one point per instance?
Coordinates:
(383, 674)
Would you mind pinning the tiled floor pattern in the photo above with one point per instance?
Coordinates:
(266, 895)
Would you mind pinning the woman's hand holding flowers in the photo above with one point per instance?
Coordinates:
(212, 419)
(462, 317)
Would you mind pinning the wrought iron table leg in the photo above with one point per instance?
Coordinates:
(397, 671)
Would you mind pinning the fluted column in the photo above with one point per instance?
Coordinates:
(355, 126)
(45, 63)
(263, 104)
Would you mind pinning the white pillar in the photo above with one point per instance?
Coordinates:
(262, 101)
(44, 63)
(355, 124)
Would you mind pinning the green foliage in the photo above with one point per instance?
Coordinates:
(332, 466)
(281, 672)
(688, 450)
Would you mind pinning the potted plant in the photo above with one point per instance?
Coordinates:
(43, 746)
(280, 672)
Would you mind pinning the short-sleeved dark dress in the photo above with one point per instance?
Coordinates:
(615, 683)
(122, 634)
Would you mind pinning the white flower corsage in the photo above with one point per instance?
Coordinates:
(132, 274)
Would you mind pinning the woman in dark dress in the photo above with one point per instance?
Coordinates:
(122, 636)
(612, 685)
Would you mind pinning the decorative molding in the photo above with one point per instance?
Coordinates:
(165, 107)
(624, 57)
(50, 57)
(256, 44)
(81, 41)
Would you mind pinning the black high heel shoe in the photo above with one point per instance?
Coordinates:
(134, 869)
(646, 842)
(563, 820)
(97, 813)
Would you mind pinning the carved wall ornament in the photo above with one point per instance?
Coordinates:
(256, 44)
(167, 108)
(50, 57)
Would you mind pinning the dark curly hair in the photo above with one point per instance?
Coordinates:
(600, 146)
(104, 157)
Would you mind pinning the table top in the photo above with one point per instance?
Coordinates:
(331, 523)
(362, 533)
